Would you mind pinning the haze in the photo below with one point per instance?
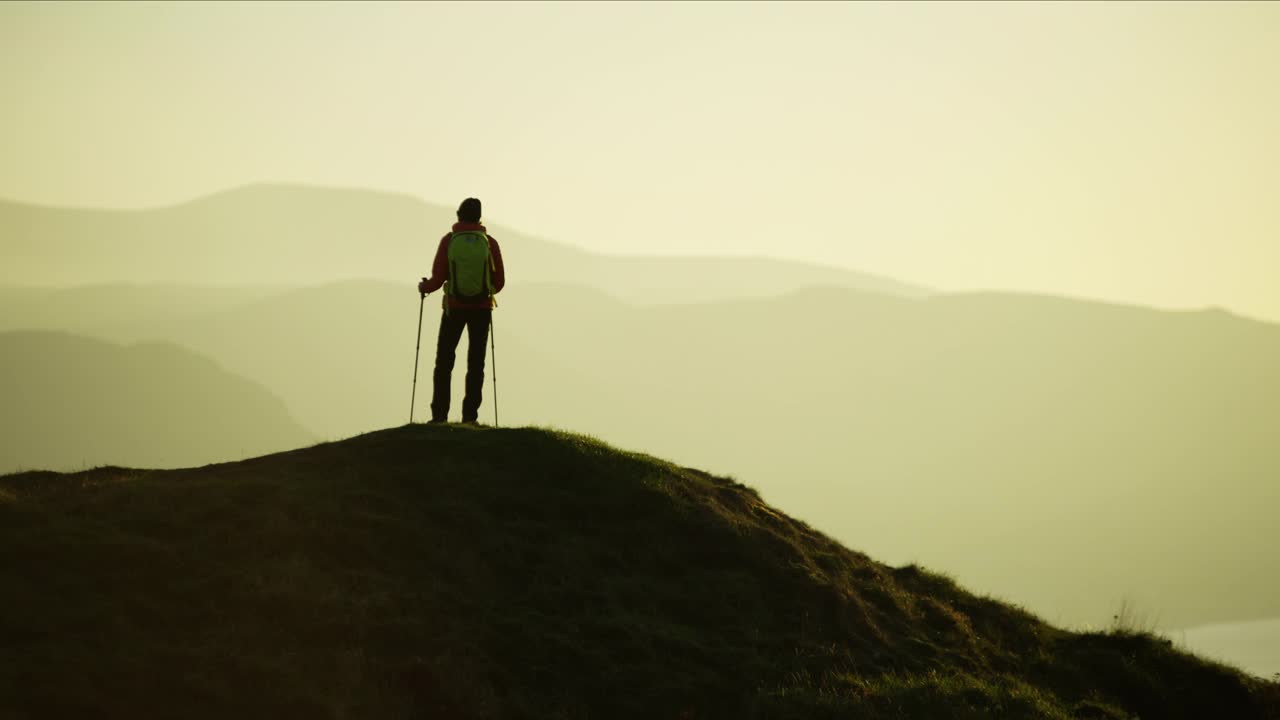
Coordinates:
(987, 287)
(1116, 151)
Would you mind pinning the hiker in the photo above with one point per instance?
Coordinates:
(468, 265)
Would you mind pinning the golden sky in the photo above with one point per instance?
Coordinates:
(1124, 151)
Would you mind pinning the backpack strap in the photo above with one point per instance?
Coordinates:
(453, 266)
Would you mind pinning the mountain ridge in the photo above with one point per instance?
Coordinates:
(313, 230)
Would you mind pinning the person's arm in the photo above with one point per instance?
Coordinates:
(439, 269)
(499, 275)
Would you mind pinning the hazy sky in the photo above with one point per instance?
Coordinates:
(1121, 151)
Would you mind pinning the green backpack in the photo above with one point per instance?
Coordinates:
(469, 266)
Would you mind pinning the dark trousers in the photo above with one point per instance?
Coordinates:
(452, 322)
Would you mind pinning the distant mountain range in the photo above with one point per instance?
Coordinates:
(72, 403)
(297, 235)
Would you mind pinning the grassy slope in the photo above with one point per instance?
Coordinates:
(457, 572)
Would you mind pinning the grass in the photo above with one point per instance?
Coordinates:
(1130, 620)
(459, 572)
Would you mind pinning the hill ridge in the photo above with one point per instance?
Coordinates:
(484, 573)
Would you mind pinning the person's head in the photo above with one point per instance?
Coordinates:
(469, 211)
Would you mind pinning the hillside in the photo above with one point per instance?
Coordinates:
(300, 235)
(71, 403)
(454, 572)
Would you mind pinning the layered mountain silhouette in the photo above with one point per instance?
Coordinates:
(297, 235)
(72, 403)
(454, 572)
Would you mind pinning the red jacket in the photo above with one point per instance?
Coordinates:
(440, 267)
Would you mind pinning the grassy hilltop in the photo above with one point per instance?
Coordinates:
(455, 572)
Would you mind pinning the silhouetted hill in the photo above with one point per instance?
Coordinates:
(298, 235)
(453, 572)
(72, 403)
(1064, 454)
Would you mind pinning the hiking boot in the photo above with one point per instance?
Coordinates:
(437, 421)
(472, 421)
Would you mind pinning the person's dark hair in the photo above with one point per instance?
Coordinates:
(469, 211)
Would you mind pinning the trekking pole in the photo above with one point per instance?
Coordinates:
(493, 343)
(421, 301)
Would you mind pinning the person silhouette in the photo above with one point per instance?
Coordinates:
(468, 265)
